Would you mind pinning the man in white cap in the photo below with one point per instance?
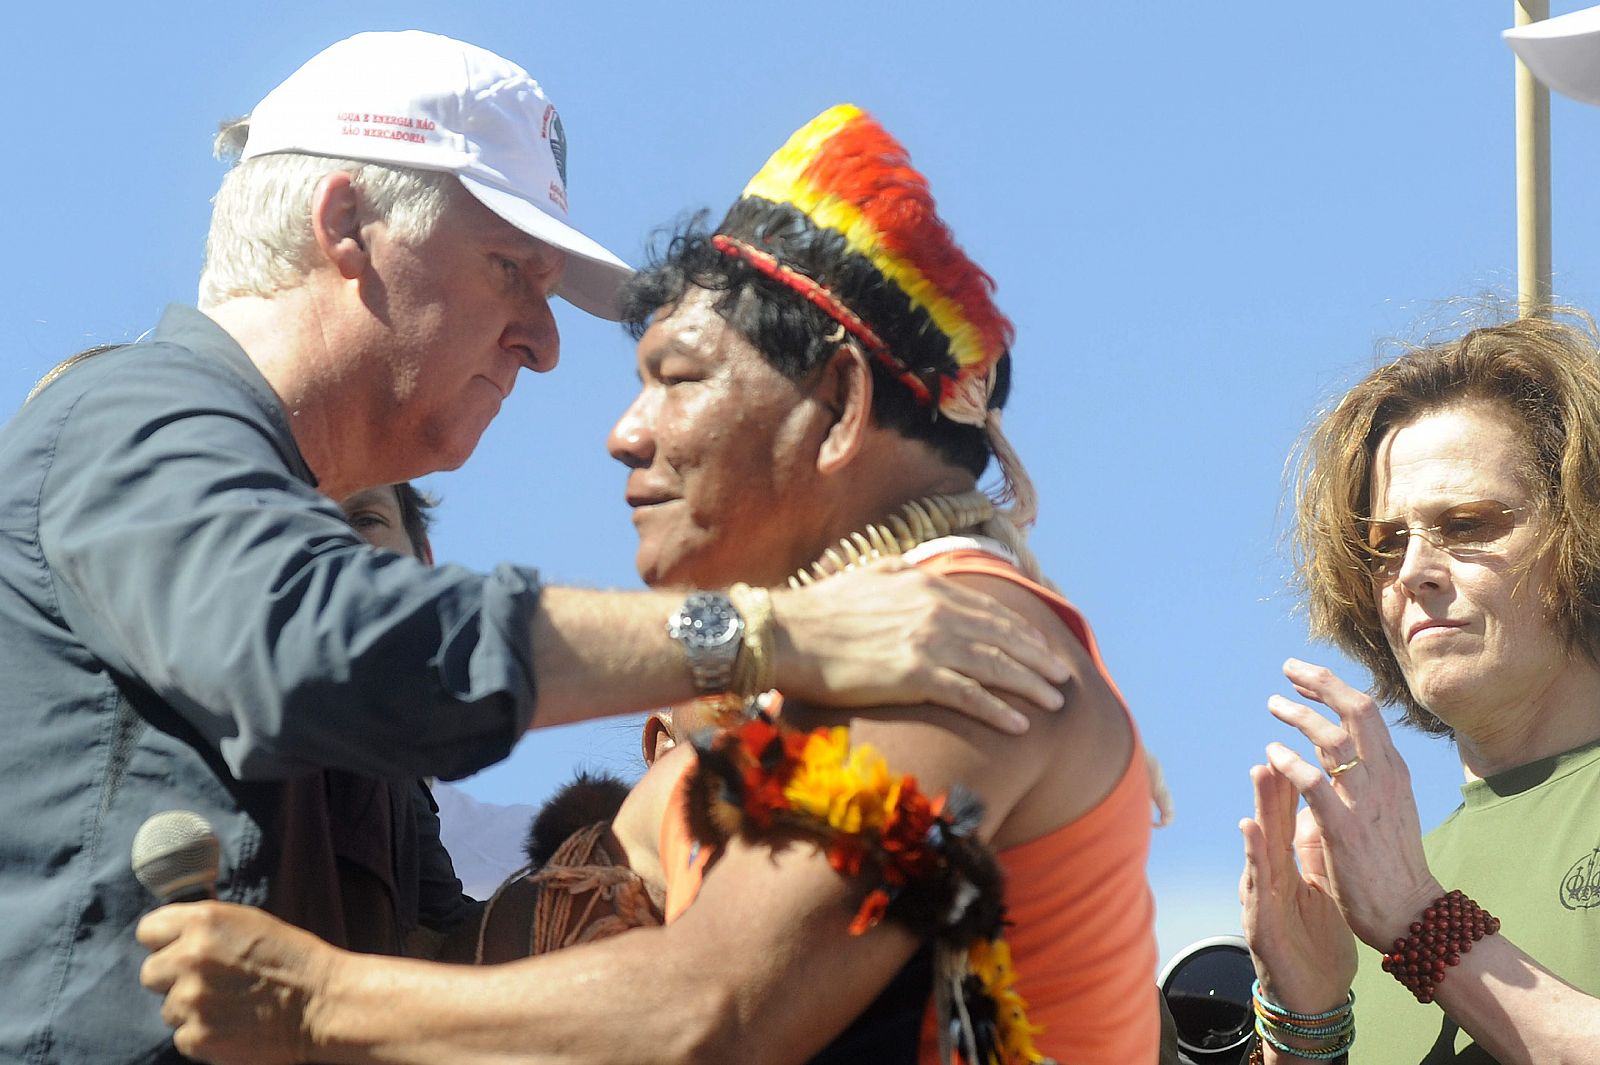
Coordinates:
(187, 621)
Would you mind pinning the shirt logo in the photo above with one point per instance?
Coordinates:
(1580, 888)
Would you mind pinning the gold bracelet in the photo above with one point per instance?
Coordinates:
(753, 669)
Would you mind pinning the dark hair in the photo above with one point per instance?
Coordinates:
(416, 515)
(796, 337)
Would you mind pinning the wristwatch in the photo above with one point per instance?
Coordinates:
(711, 631)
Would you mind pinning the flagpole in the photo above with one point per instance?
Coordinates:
(1533, 176)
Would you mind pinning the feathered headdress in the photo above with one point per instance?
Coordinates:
(839, 215)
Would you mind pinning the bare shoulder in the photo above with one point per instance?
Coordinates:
(1021, 599)
(1070, 759)
(942, 748)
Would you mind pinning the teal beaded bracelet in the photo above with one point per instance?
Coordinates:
(1330, 1053)
(1262, 1002)
(1336, 1027)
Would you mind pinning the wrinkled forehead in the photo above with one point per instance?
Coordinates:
(1448, 455)
(383, 497)
(691, 319)
(693, 326)
(465, 215)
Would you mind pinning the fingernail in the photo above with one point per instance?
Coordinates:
(1018, 722)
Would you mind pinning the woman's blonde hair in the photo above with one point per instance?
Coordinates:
(1544, 373)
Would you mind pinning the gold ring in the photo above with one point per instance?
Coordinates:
(1351, 764)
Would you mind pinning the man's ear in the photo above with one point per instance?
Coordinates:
(846, 389)
(336, 224)
(657, 739)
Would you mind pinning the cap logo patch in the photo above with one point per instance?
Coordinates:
(550, 129)
(558, 147)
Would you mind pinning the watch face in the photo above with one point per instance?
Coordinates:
(706, 620)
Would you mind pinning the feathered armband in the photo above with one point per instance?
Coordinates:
(919, 857)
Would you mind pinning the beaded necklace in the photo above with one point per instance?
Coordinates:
(918, 521)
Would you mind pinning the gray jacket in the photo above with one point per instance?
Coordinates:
(186, 623)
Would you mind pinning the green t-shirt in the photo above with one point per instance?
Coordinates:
(1525, 844)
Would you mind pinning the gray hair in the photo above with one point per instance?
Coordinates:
(261, 240)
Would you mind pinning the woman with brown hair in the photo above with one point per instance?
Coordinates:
(1448, 536)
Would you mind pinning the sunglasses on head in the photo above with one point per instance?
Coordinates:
(1462, 530)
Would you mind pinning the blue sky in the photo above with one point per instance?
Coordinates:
(1202, 226)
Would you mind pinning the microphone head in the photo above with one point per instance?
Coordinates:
(176, 855)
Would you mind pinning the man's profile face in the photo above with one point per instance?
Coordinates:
(376, 517)
(721, 450)
(458, 316)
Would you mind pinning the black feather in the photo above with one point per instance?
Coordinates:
(589, 798)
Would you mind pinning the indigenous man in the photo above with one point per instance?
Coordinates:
(822, 378)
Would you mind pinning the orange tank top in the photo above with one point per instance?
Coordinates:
(1083, 936)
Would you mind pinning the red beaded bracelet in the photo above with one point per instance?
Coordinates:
(1447, 930)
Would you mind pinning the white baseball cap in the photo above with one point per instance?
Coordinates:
(1563, 52)
(428, 102)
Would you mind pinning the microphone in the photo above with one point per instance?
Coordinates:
(175, 856)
